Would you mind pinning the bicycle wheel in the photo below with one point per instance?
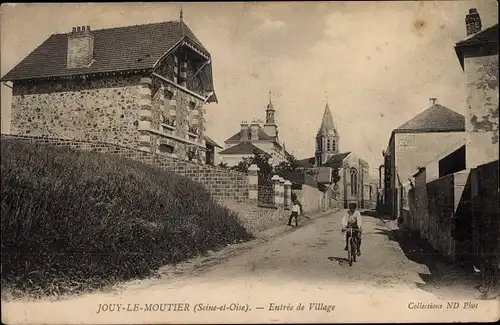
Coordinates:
(349, 251)
(354, 249)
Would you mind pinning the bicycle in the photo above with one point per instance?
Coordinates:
(351, 247)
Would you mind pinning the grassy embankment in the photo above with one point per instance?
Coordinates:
(74, 221)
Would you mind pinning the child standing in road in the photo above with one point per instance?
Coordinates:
(295, 213)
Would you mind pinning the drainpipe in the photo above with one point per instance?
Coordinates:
(380, 184)
(380, 175)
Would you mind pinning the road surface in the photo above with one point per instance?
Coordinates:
(262, 281)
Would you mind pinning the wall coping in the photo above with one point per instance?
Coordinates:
(185, 162)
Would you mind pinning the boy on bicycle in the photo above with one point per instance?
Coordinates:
(352, 219)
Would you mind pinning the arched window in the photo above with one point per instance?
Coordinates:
(328, 144)
(319, 144)
(354, 181)
(334, 145)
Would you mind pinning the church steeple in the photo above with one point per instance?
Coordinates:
(270, 126)
(270, 111)
(327, 126)
(327, 138)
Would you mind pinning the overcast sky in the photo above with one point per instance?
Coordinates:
(379, 61)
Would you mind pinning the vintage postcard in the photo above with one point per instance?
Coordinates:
(250, 162)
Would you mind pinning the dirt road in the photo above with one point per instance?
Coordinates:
(267, 281)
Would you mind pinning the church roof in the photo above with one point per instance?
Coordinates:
(327, 124)
(306, 163)
(335, 161)
(115, 49)
(242, 148)
(436, 118)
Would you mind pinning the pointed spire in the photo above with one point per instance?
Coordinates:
(181, 15)
(270, 105)
(327, 124)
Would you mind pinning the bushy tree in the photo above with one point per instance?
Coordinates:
(286, 167)
(243, 165)
(265, 168)
(262, 161)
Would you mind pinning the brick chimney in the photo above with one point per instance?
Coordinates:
(244, 131)
(80, 48)
(433, 101)
(473, 22)
(254, 131)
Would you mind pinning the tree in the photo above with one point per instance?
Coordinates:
(259, 159)
(265, 168)
(223, 165)
(286, 168)
(243, 165)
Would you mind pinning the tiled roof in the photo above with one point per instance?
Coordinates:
(487, 35)
(327, 124)
(335, 161)
(115, 49)
(306, 163)
(436, 118)
(211, 142)
(262, 136)
(243, 148)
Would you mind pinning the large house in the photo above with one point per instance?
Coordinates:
(354, 184)
(143, 86)
(417, 142)
(257, 137)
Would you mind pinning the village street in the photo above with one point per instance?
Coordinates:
(305, 265)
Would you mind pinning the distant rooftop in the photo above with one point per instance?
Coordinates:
(436, 118)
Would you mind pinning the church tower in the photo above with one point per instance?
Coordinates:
(327, 139)
(270, 126)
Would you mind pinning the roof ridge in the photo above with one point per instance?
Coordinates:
(127, 26)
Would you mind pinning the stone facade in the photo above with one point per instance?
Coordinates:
(158, 112)
(221, 183)
(105, 109)
(354, 177)
(177, 121)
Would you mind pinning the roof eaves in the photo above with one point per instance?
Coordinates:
(428, 130)
(174, 47)
(74, 75)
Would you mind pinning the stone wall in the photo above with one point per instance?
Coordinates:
(257, 219)
(221, 183)
(486, 223)
(313, 200)
(481, 118)
(440, 204)
(104, 109)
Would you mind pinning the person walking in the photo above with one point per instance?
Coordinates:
(295, 213)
